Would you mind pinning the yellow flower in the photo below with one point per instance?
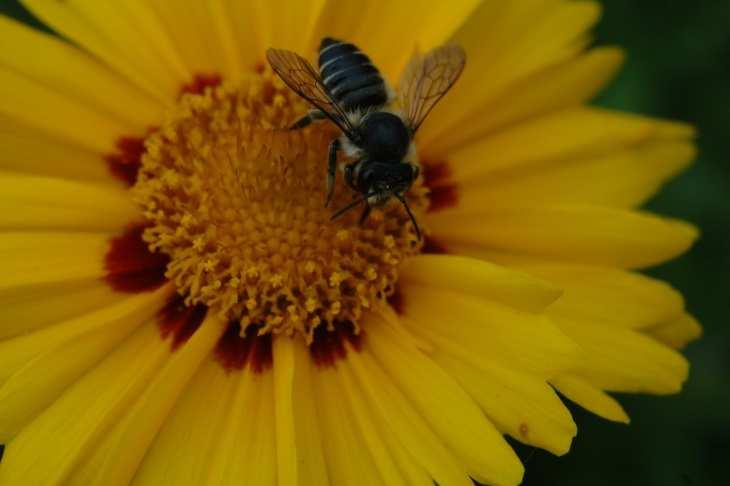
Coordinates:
(178, 307)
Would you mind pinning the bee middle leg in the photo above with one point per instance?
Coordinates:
(332, 169)
(312, 115)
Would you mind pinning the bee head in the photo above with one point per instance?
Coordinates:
(378, 182)
(383, 180)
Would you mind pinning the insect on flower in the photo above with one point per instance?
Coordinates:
(350, 91)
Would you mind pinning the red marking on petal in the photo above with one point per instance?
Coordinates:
(436, 173)
(443, 191)
(124, 164)
(443, 197)
(329, 346)
(234, 352)
(397, 301)
(130, 265)
(179, 321)
(431, 245)
(200, 82)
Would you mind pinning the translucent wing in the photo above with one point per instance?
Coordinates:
(301, 77)
(427, 79)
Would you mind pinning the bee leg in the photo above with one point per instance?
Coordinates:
(332, 169)
(311, 116)
(365, 213)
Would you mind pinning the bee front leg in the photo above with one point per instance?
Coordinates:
(312, 115)
(365, 213)
(332, 169)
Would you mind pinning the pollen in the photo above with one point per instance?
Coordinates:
(238, 206)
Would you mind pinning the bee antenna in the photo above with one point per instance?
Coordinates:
(410, 215)
(345, 209)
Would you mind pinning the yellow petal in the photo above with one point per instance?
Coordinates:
(115, 458)
(29, 151)
(624, 360)
(404, 422)
(69, 71)
(27, 217)
(394, 462)
(49, 203)
(677, 333)
(199, 32)
(506, 42)
(518, 403)
(17, 351)
(235, 56)
(625, 178)
(22, 314)
(567, 84)
(480, 278)
(377, 29)
(350, 459)
(59, 360)
(48, 449)
(452, 414)
(43, 258)
(525, 341)
(237, 434)
(570, 233)
(609, 296)
(570, 134)
(289, 24)
(195, 424)
(591, 398)
(250, 28)
(126, 38)
(33, 104)
(286, 439)
(246, 452)
(300, 444)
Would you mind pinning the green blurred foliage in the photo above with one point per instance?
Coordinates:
(678, 67)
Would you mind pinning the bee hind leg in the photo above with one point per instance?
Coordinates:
(312, 115)
(332, 169)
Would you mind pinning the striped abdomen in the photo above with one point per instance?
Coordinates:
(350, 76)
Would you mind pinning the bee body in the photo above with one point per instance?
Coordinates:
(350, 91)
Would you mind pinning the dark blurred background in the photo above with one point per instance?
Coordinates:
(678, 67)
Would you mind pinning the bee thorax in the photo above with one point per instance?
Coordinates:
(384, 137)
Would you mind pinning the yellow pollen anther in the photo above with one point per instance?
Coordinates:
(239, 208)
(336, 279)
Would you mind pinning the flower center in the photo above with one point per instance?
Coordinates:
(238, 205)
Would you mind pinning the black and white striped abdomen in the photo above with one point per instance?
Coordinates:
(350, 76)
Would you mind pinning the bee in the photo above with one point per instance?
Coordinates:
(350, 92)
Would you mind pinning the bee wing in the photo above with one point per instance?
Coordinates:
(427, 79)
(301, 77)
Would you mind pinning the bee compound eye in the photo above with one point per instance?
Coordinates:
(368, 177)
